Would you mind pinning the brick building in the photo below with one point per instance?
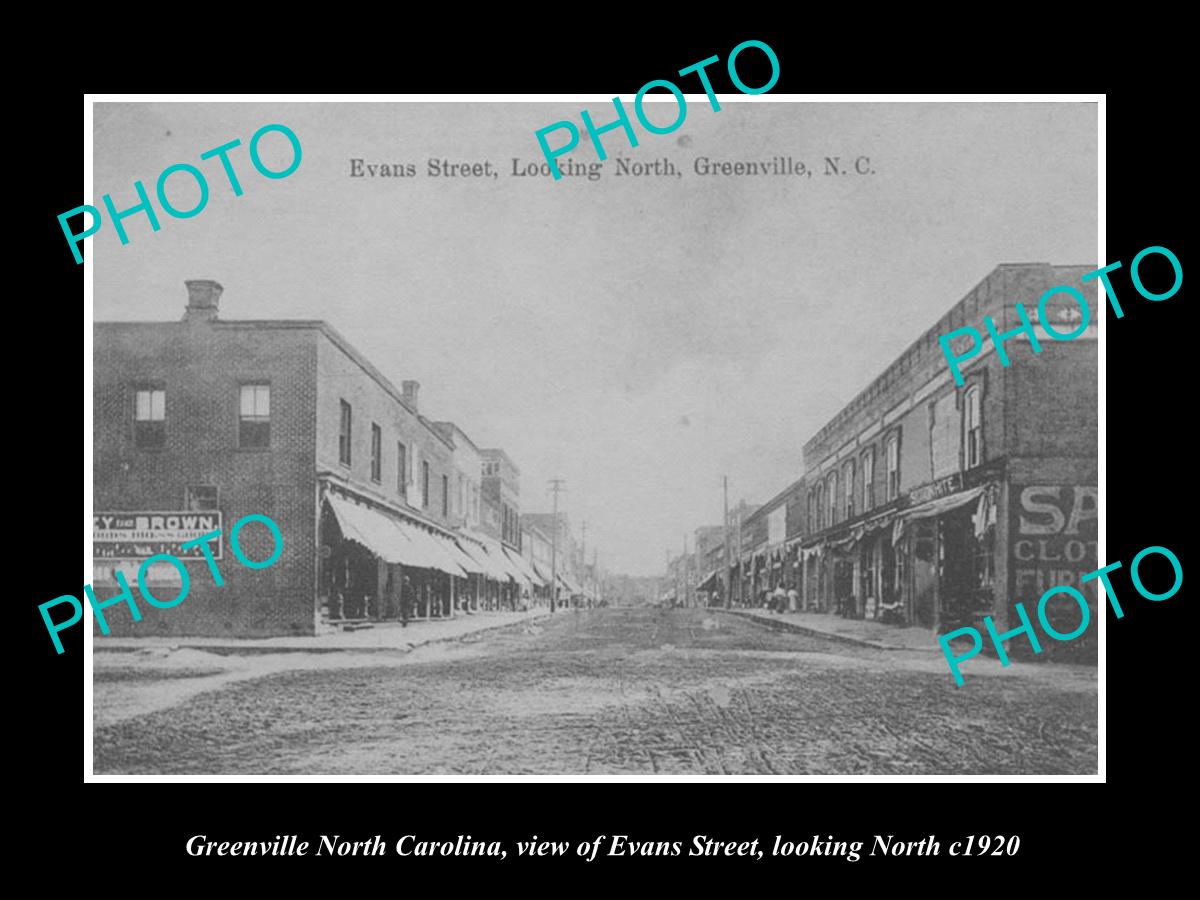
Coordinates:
(934, 504)
(565, 553)
(771, 536)
(282, 418)
(927, 503)
(502, 494)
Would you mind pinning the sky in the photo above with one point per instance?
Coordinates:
(639, 337)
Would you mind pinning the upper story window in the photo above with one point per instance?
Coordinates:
(974, 427)
(831, 499)
(401, 470)
(344, 434)
(376, 453)
(445, 496)
(821, 505)
(200, 497)
(848, 487)
(425, 484)
(868, 479)
(150, 418)
(893, 467)
(254, 415)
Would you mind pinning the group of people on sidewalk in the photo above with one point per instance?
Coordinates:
(780, 600)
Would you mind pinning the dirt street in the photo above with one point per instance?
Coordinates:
(606, 691)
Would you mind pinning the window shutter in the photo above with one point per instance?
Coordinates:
(414, 483)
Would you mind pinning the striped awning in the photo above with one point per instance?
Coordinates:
(389, 537)
(523, 565)
(483, 559)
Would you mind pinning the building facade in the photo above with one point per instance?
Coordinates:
(564, 553)
(934, 504)
(771, 536)
(501, 484)
(282, 418)
(928, 503)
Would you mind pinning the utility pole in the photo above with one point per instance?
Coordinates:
(687, 592)
(728, 581)
(666, 574)
(556, 486)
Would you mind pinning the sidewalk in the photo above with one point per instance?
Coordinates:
(383, 636)
(856, 631)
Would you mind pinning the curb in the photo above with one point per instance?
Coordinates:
(783, 625)
(250, 650)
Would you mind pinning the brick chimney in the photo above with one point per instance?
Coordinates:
(410, 393)
(202, 300)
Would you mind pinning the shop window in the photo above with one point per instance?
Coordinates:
(974, 426)
(985, 556)
(150, 418)
(254, 416)
(344, 434)
(199, 497)
(848, 487)
(868, 479)
(401, 470)
(376, 453)
(893, 467)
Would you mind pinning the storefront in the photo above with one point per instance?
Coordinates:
(944, 553)
(710, 587)
(375, 564)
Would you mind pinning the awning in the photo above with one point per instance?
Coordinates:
(933, 508)
(570, 586)
(943, 505)
(464, 560)
(500, 560)
(541, 573)
(523, 564)
(387, 537)
(710, 581)
(373, 530)
(435, 549)
(491, 569)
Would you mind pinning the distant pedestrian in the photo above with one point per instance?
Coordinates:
(405, 601)
(793, 600)
(780, 598)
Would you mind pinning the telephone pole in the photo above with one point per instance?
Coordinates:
(727, 580)
(667, 577)
(687, 588)
(556, 486)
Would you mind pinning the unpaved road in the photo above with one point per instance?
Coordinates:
(612, 691)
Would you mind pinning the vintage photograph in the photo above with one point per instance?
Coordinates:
(410, 458)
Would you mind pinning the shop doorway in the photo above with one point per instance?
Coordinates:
(956, 568)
